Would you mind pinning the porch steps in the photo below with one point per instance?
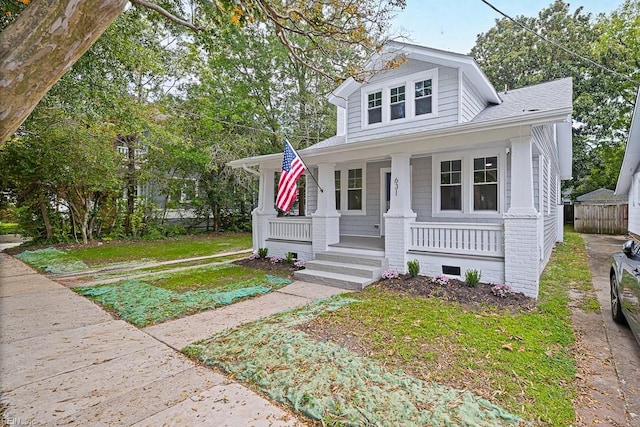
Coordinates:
(341, 270)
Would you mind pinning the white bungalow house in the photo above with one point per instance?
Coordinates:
(429, 162)
(629, 177)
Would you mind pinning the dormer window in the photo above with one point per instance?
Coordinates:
(397, 103)
(412, 97)
(374, 107)
(423, 96)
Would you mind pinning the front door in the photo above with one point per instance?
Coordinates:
(385, 195)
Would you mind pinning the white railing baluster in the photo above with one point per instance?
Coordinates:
(290, 228)
(460, 238)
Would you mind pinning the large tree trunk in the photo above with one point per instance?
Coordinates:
(40, 46)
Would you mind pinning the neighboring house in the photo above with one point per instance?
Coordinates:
(601, 212)
(429, 163)
(629, 178)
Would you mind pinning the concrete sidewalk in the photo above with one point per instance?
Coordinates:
(63, 360)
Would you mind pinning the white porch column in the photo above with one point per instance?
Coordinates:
(265, 209)
(521, 231)
(325, 221)
(400, 215)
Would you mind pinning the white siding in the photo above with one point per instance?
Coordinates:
(312, 192)
(634, 204)
(422, 188)
(447, 103)
(471, 102)
(365, 225)
(548, 183)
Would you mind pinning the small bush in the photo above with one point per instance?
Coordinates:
(472, 277)
(262, 252)
(289, 258)
(254, 256)
(299, 264)
(414, 267)
(390, 274)
(276, 260)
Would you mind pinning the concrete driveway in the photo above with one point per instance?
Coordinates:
(625, 351)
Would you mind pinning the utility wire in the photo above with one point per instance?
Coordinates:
(559, 46)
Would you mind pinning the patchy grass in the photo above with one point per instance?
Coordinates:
(63, 259)
(330, 384)
(211, 277)
(156, 299)
(522, 361)
(161, 250)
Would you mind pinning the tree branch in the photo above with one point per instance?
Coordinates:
(166, 14)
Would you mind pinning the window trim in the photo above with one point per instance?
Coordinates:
(467, 159)
(344, 178)
(408, 82)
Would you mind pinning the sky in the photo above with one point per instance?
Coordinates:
(453, 25)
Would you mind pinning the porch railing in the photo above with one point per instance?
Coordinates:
(290, 228)
(460, 238)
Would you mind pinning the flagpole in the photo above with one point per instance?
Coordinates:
(306, 167)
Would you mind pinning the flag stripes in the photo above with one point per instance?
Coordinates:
(292, 168)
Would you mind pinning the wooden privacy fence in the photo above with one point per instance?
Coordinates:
(601, 219)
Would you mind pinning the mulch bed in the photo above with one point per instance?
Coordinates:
(422, 286)
(458, 291)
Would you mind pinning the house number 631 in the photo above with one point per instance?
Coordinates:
(396, 182)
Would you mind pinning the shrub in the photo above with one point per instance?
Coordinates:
(262, 252)
(441, 280)
(289, 257)
(390, 274)
(254, 256)
(472, 277)
(502, 291)
(275, 260)
(414, 267)
(299, 264)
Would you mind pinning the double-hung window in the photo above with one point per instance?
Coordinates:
(467, 184)
(374, 107)
(403, 99)
(451, 185)
(354, 190)
(485, 183)
(397, 103)
(338, 183)
(423, 96)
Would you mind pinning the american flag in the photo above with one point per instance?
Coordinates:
(292, 168)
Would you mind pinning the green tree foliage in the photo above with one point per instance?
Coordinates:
(513, 57)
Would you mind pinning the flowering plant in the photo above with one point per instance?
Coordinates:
(254, 256)
(275, 259)
(299, 264)
(441, 280)
(390, 274)
(502, 291)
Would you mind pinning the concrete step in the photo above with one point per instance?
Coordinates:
(366, 271)
(337, 280)
(374, 261)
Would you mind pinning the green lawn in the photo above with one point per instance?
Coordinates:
(161, 250)
(156, 299)
(521, 362)
(131, 253)
(10, 228)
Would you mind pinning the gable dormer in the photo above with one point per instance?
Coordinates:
(429, 89)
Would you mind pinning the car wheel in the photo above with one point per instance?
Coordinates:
(616, 307)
